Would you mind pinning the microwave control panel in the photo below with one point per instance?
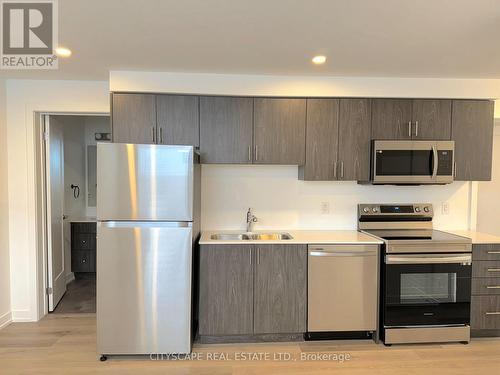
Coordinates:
(445, 166)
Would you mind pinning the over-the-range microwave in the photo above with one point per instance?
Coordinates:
(412, 162)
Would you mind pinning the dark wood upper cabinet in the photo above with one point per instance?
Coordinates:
(280, 289)
(226, 129)
(431, 119)
(178, 120)
(322, 133)
(338, 140)
(134, 118)
(328, 138)
(418, 119)
(391, 119)
(279, 131)
(354, 139)
(226, 290)
(472, 131)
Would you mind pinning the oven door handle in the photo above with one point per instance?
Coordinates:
(435, 162)
(428, 259)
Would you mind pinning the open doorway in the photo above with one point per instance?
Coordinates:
(70, 163)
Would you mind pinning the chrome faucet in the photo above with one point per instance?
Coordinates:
(251, 219)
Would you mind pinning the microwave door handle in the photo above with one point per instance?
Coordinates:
(435, 162)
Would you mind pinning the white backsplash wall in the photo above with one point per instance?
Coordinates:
(281, 201)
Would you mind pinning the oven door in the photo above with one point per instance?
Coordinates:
(427, 289)
(412, 162)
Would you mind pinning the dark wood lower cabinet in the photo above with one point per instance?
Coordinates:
(485, 312)
(485, 303)
(280, 289)
(83, 247)
(251, 290)
(83, 261)
(226, 290)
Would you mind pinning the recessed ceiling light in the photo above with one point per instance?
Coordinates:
(63, 52)
(319, 59)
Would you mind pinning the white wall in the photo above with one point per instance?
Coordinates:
(24, 97)
(262, 85)
(281, 201)
(74, 164)
(95, 124)
(5, 310)
(488, 201)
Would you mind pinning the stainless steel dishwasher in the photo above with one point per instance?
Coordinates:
(342, 288)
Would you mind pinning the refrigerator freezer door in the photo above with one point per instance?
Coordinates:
(143, 287)
(144, 182)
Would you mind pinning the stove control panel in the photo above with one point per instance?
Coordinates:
(395, 210)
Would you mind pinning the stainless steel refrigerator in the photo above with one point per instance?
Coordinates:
(147, 210)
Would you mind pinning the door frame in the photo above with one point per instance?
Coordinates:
(41, 208)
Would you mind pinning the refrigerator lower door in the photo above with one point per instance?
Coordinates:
(144, 182)
(144, 287)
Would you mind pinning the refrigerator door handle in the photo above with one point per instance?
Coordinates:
(146, 224)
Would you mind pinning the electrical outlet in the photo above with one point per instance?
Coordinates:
(445, 208)
(325, 208)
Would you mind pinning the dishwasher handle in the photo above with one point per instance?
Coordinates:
(342, 253)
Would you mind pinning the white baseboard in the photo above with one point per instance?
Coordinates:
(5, 319)
(70, 277)
(23, 316)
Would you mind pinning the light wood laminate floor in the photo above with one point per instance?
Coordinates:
(65, 344)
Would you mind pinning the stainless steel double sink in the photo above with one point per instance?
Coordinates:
(251, 236)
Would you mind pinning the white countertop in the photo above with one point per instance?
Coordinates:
(299, 237)
(82, 219)
(477, 237)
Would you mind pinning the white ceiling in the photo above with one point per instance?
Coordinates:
(385, 38)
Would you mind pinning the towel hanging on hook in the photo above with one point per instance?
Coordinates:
(76, 190)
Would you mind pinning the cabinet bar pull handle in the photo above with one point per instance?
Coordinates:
(251, 255)
(416, 128)
(256, 152)
(335, 170)
(342, 170)
(258, 256)
(161, 135)
(249, 153)
(493, 252)
(493, 269)
(455, 170)
(409, 129)
(493, 313)
(153, 134)
(492, 286)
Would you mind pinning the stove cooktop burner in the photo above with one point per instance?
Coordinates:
(407, 228)
(415, 235)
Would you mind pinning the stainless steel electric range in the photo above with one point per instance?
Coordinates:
(425, 276)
